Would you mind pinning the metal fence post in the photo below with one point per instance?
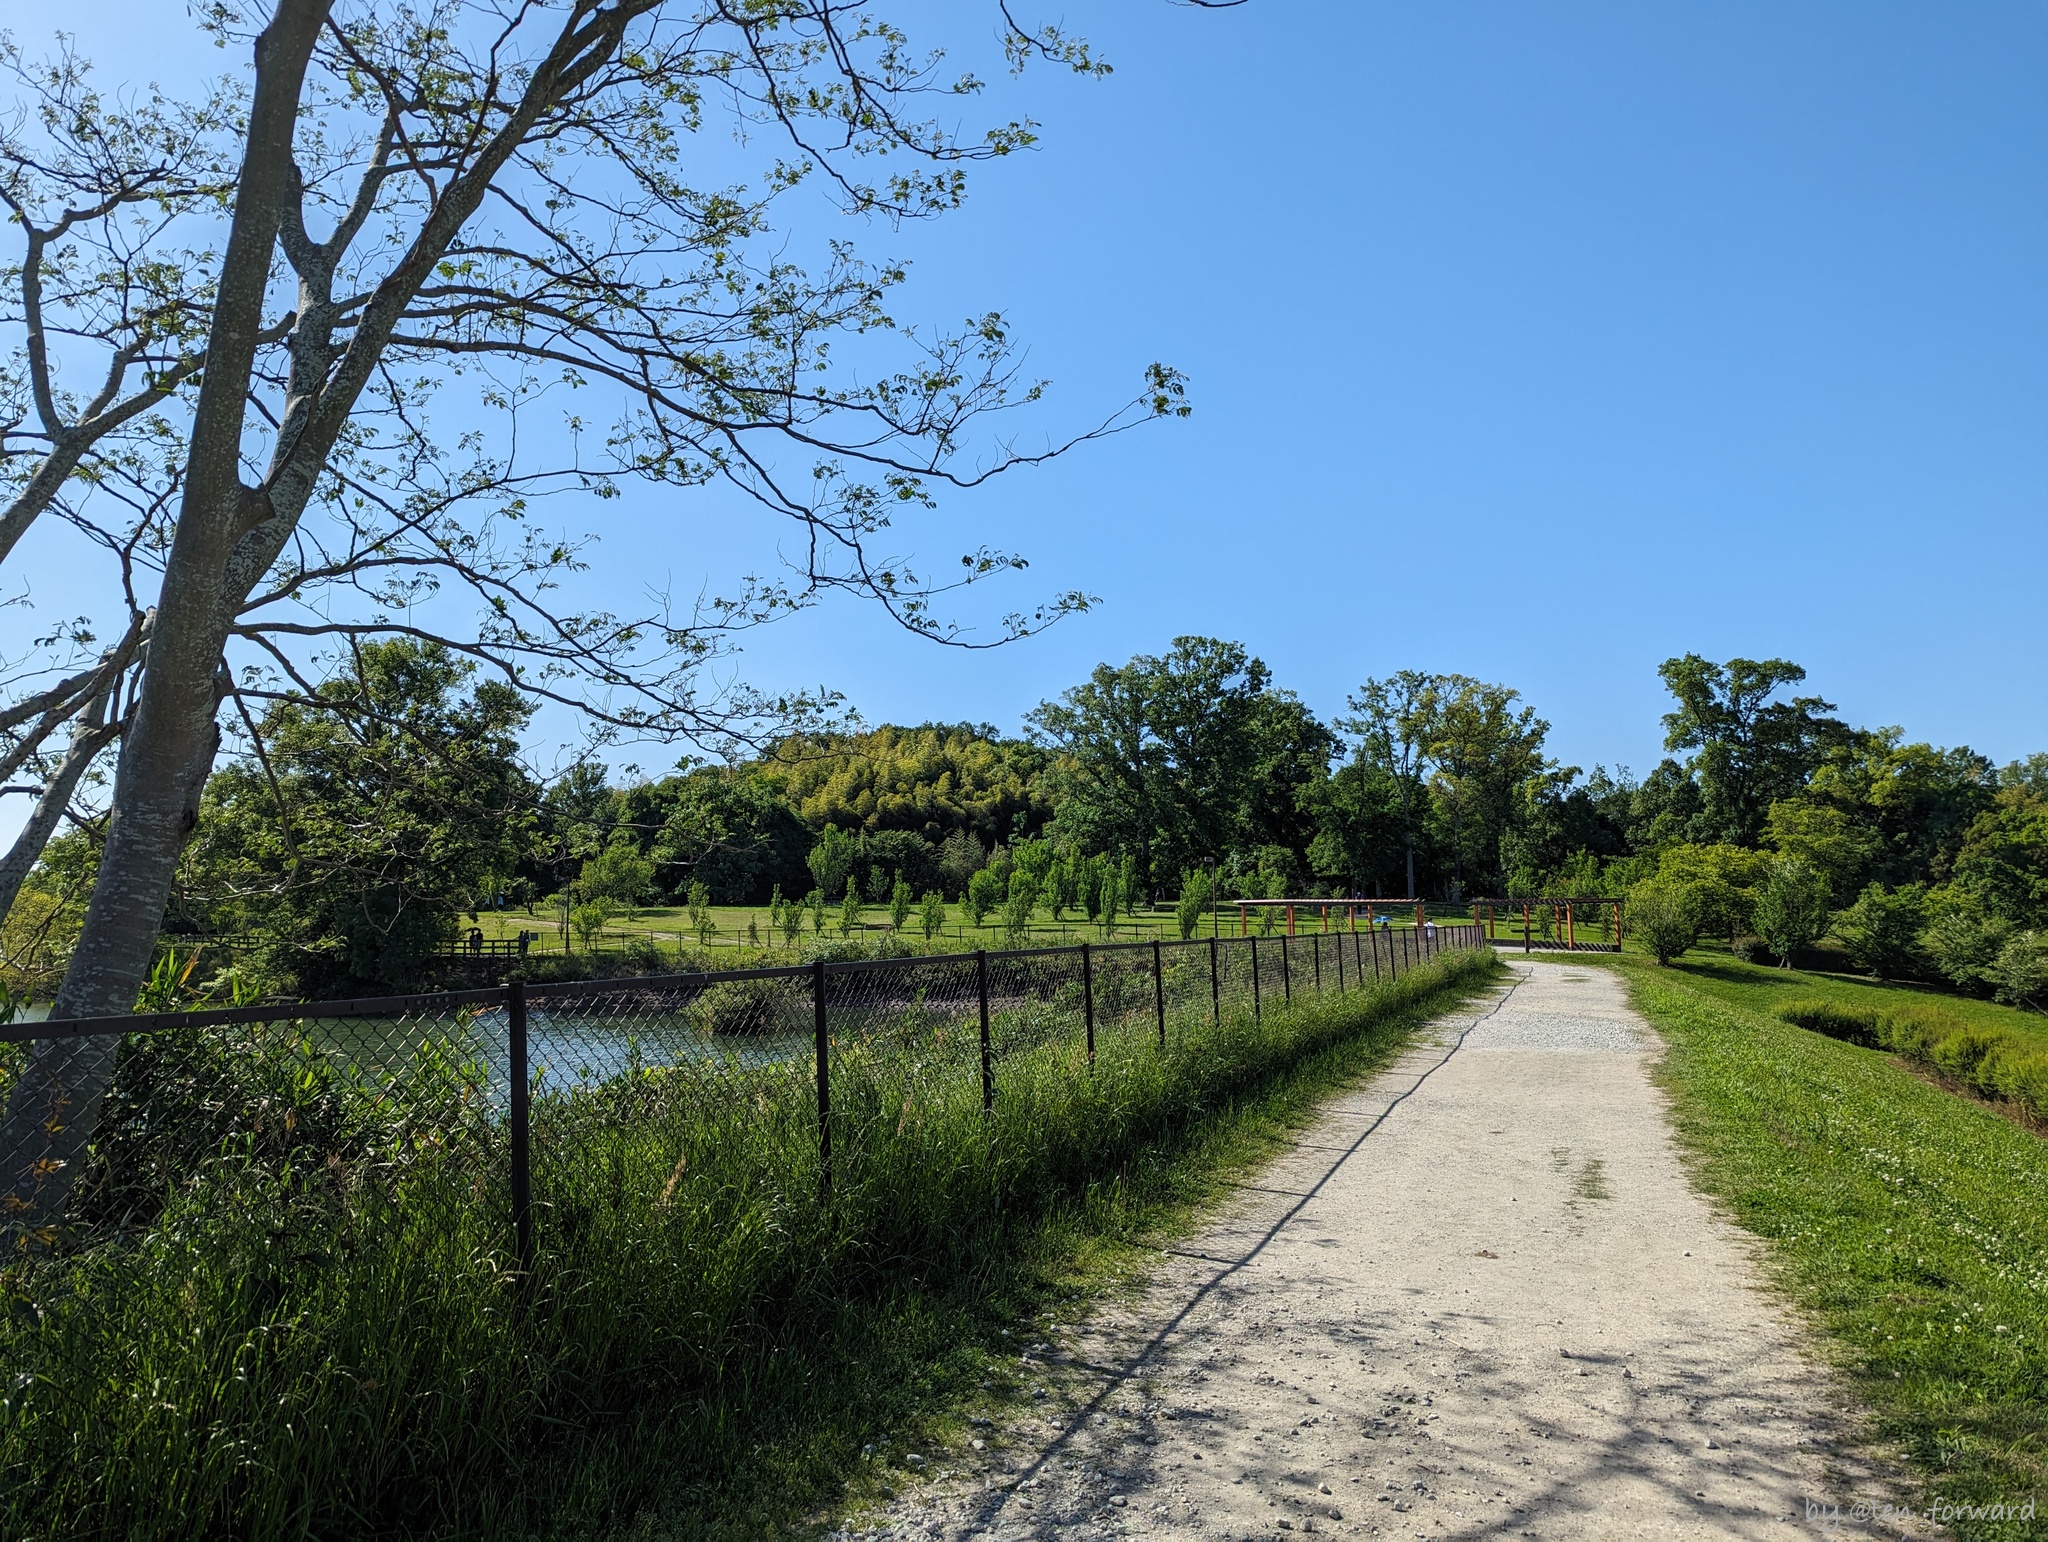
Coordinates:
(1258, 1010)
(824, 1047)
(988, 1067)
(1088, 999)
(1159, 991)
(522, 1125)
(1286, 977)
(1215, 988)
(1340, 963)
(1315, 952)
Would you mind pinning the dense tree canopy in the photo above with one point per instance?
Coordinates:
(1750, 749)
(1181, 759)
(356, 824)
(379, 810)
(931, 780)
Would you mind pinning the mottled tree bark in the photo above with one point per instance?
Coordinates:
(170, 746)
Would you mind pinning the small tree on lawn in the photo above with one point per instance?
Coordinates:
(931, 914)
(1110, 897)
(899, 904)
(590, 919)
(985, 891)
(850, 908)
(816, 904)
(1017, 908)
(1196, 891)
(1791, 909)
(2019, 975)
(1088, 887)
(700, 913)
(1882, 930)
(618, 874)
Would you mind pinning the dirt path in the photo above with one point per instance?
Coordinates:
(1477, 1300)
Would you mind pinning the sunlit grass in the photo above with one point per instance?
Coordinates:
(327, 1337)
(1910, 1222)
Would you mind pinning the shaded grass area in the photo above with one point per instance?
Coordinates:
(316, 1331)
(1910, 1223)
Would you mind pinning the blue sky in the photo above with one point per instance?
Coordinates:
(1535, 341)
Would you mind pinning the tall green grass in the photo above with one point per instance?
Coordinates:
(316, 1328)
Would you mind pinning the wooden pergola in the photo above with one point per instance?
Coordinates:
(1562, 917)
(1373, 908)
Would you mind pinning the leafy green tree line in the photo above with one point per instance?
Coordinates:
(366, 822)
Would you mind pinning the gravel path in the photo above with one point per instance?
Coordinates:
(1478, 1299)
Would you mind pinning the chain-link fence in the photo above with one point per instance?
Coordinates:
(485, 1109)
(389, 1228)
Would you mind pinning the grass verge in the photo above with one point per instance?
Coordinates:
(309, 1326)
(892, 1369)
(1909, 1223)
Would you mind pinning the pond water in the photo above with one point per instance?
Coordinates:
(565, 1050)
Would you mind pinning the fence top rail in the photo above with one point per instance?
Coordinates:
(557, 990)
(1551, 899)
(1326, 903)
(152, 1022)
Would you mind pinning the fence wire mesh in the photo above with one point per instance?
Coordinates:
(523, 1125)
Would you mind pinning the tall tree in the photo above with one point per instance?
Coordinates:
(359, 824)
(504, 198)
(1166, 758)
(1750, 749)
(1481, 749)
(1393, 724)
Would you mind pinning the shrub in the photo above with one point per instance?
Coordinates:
(1856, 1025)
(1752, 950)
(753, 1008)
(1963, 944)
(644, 953)
(2019, 975)
(1882, 931)
(1791, 909)
(1666, 915)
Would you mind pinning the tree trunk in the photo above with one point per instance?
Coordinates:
(55, 1106)
(168, 751)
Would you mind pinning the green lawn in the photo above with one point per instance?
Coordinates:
(1910, 1223)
